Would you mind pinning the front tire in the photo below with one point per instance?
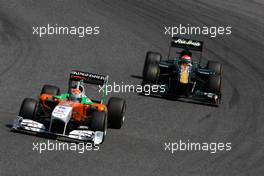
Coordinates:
(28, 109)
(116, 112)
(214, 83)
(99, 121)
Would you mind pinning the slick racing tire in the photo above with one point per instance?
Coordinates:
(151, 67)
(99, 122)
(49, 89)
(214, 83)
(215, 66)
(28, 109)
(116, 112)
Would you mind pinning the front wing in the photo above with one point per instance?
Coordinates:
(200, 98)
(33, 127)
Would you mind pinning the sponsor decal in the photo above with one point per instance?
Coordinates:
(187, 42)
(88, 75)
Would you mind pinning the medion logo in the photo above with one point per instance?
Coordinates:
(187, 42)
(89, 75)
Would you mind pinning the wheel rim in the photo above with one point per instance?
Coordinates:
(123, 113)
(105, 125)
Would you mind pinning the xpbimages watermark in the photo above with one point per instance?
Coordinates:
(130, 88)
(79, 31)
(187, 145)
(212, 31)
(48, 146)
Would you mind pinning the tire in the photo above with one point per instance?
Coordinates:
(49, 89)
(28, 109)
(215, 66)
(99, 122)
(214, 83)
(151, 58)
(151, 67)
(116, 112)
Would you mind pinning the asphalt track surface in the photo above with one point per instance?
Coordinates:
(128, 30)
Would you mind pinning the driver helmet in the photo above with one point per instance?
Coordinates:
(186, 58)
(75, 94)
(186, 52)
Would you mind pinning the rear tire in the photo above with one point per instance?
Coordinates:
(116, 112)
(28, 109)
(51, 90)
(151, 67)
(215, 66)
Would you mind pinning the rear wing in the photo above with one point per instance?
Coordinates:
(187, 44)
(89, 78)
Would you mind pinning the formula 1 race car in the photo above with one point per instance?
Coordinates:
(72, 115)
(182, 74)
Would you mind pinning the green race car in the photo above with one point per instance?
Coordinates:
(182, 75)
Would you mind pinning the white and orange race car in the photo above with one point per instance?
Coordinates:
(72, 115)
